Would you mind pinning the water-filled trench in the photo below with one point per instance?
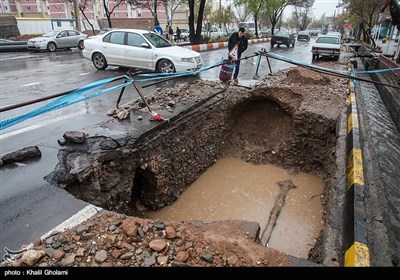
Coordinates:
(257, 157)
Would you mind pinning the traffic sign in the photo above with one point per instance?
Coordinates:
(158, 30)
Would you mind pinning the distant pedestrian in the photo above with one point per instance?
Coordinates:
(237, 44)
(166, 31)
(178, 34)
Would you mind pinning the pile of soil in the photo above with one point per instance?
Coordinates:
(111, 239)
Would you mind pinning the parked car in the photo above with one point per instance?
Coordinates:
(217, 33)
(282, 37)
(12, 46)
(314, 32)
(303, 35)
(57, 39)
(326, 45)
(264, 33)
(139, 49)
(185, 34)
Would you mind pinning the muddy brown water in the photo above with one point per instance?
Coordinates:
(235, 189)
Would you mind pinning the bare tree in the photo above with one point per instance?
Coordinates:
(171, 6)
(109, 9)
(150, 5)
(195, 37)
(83, 6)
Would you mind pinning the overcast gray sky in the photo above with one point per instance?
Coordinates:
(319, 8)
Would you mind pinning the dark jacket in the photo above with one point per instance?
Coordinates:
(234, 39)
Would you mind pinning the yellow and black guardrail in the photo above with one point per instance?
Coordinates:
(355, 226)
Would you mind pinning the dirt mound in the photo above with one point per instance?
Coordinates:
(305, 76)
(111, 239)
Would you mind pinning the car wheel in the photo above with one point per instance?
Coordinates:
(81, 45)
(51, 47)
(288, 45)
(165, 66)
(99, 61)
(293, 45)
(272, 45)
(314, 56)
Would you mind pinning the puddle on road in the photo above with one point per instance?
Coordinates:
(235, 189)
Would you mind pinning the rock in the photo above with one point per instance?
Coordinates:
(140, 232)
(101, 256)
(159, 225)
(57, 254)
(127, 256)
(80, 252)
(61, 142)
(162, 260)
(69, 260)
(117, 253)
(171, 233)
(149, 261)
(129, 228)
(21, 155)
(182, 256)
(31, 257)
(108, 144)
(206, 256)
(76, 137)
(157, 245)
(80, 229)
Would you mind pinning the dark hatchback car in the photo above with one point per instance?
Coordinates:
(282, 38)
(303, 35)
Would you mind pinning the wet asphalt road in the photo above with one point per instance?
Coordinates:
(31, 207)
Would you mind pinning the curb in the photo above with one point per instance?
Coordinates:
(212, 46)
(355, 227)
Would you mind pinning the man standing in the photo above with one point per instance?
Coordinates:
(236, 46)
(178, 34)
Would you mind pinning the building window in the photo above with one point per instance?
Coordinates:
(28, 8)
(58, 23)
(139, 15)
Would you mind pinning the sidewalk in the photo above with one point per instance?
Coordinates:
(217, 45)
(389, 48)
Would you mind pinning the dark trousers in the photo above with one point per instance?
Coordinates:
(237, 66)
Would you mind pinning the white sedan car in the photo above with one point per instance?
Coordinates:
(139, 49)
(57, 39)
(326, 45)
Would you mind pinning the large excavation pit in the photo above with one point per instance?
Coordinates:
(268, 155)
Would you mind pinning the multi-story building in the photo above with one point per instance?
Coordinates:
(62, 9)
(38, 16)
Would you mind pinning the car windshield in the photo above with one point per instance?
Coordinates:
(51, 34)
(282, 34)
(157, 41)
(328, 40)
(303, 32)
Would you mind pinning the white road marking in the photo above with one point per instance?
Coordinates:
(83, 74)
(35, 126)
(83, 215)
(16, 57)
(31, 84)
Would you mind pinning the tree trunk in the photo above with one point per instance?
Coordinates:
(156, 22)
